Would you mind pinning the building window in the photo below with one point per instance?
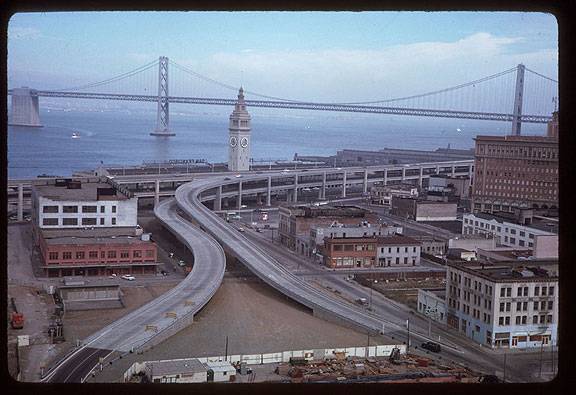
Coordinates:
(101, 221)
(70, 221)
(537, 291)
(89, 209)
(550, 304)
(508, 305)
(88, 221)
(550, 291)
(535, 307)
(53, 255)
(534, 319)
(513, 240)
(67, 255)
(507, 320)
(102, 209)
(102, 254)
(549, 319)
(50, 209)
(111, 254)
(93, 254)
(113, 209)
(124, 254)
(543, 291)
(69, 209)
(50, 221)
(517, 320)
(149, 253)
(80, 255)
(137, 254)
(501, 321)
(521, 243)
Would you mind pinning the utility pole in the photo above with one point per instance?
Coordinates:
(408, 337)
(226, 351)
(541, 355)
(504, 375)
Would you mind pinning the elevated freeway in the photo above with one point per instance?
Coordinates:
(162, 317)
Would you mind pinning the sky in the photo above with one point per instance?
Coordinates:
(316, 56)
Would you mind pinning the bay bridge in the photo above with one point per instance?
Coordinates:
(517, 95)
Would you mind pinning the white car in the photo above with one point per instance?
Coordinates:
(238, 176)
(128, 277)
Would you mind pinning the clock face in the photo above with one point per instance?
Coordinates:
(233, 141)
(244, 142)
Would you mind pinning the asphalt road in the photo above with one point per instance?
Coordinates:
(141, 327)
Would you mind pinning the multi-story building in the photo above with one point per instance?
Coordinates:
(515, 171)
(349, 252)
(296, 221)
(458, 186)
(362, 229)
(396, 251)
(89, 227)
(432, 304)
(510, 233)
(382, 194)
(506, 304)
(94, 202)
(97, 252)
(424, 210)
(431, 245)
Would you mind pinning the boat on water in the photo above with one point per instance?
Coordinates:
(75, 135)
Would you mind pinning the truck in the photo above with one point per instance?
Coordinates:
(16, 318)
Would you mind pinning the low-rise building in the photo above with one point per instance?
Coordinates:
(457, 186)
(504, 254)
(297, 220)
(472, 242)
(424, 210)
(506, 304)
(395, 251)
(96, 252)
(461, 254)
(339, 230)
(350, 252)
(381, 195)
(176, 371)
(432, 304)
(220, 371)
(431, 245)
(507, 231)
(92, 202)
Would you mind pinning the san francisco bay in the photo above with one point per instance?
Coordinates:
(121, 136)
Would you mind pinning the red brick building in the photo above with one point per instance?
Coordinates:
(349, 252)
(96, 252)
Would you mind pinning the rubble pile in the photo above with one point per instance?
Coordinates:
(398, 369)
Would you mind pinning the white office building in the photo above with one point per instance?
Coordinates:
(506, 304)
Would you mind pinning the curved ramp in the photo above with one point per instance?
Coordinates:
(262, 264)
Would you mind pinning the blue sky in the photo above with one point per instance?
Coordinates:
(316, 56)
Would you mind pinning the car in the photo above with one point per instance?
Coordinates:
(128, 277)
(227, 178)
(238, 176)
(243, 206)
(181, 263)
(240, 229)
(258, 230)
(434, 347)
(362, 301)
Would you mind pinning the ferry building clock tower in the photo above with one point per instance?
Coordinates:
(239, 136)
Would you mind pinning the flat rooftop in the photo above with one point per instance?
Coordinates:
(176, 366)
(88, 191)
(511, 271)
(510, 138)
(537, 223)
(121, 235)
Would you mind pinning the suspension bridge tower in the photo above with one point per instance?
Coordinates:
(239, 136)
(162, 120)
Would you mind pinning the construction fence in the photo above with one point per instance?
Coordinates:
(284, 356)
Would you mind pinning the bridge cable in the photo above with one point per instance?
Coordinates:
(112, 79)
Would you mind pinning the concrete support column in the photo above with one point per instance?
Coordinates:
(25, 109)
(157, 193)
(295, 188)
(20, 203)
(437, 169)
(403, 174)
(365, 180)
(420, 176)
(453, 170)
(289, 195)
(218, 200)
(344, 184)
(269, 191)
(239, 195)
(323, 188)
(385, 176)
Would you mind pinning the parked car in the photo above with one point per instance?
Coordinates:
(240, 229)
(434, 347)
(181, 263)
(128, 277)
(362, 301)
(164, 272)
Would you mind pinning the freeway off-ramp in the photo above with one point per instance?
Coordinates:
(163, 316)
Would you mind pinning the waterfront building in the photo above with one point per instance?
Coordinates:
(239, 136)
(516, 171)
(511, 304)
